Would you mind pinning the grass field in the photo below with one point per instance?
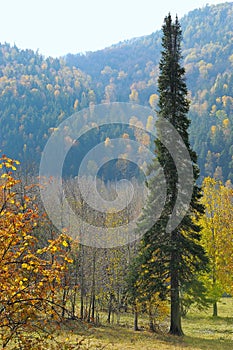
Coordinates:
(202, 331)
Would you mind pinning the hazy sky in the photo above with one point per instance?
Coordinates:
(57, 27)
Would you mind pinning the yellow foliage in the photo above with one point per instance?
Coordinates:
(153, 100)
(49, 87)
(65, 244)
(56, 93)
(150, 123)
(213, 109)
(217, 232)
(23, 271)
(44, 66)
(213, 129)
(225, 123)
(76, 103)
(125, 136)
(134, 96)
(107, 142)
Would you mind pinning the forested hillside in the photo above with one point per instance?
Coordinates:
(129, 71)
(36, 94)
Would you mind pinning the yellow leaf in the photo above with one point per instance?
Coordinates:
(54, 249)
(65, 244)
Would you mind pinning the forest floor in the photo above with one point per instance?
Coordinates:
(202, 331)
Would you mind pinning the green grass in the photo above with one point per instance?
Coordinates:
(202, 331)
(207, 332)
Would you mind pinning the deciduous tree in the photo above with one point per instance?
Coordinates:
(30, 276)
(217, 235)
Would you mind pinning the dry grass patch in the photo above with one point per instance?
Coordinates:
(201, 332)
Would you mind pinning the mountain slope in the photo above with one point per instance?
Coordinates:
(36, 94)
(129, 70)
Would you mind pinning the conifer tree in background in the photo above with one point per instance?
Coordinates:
(168, 260)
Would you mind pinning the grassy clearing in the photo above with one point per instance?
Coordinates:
(201, 332)
(206, 332)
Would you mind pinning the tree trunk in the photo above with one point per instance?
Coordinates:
(136, 319)
(118, 314)
(110, 308)
(82, 304)
(74, 297)
(63, 302)
(89, 310)
(175, 321)
(73, 305)
(93, 287)
(93, 307)
(82, 280)
(151, 325)
(151, 322)
(215, 309)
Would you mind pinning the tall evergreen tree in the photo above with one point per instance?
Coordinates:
(169, 258)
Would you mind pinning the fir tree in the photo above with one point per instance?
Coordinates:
(169, 258)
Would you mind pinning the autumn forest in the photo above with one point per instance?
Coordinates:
(151, 292)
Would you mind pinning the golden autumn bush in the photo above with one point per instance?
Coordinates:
(30, 277)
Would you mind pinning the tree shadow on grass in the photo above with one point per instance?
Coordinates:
(208, 344)
(124, 337)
